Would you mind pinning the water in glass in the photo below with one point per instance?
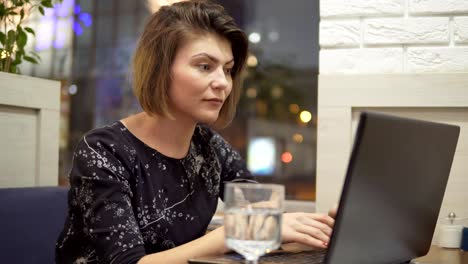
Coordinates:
(252, 232)
(252, 218)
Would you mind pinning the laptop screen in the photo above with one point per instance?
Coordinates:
(393, 190)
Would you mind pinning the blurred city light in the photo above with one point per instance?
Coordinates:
(305, 116)
(286, 157)
(273, 36)
(298, 138)
(73, 89)
(255, 37)
(251, 92)
(276, 91)
(154, 5)
(252, 61)
(294, 108)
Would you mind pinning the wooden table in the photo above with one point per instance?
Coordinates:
(436, 255)
(439, 255)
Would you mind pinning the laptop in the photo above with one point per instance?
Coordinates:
(391, 197)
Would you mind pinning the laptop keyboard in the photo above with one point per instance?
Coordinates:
(304, 257)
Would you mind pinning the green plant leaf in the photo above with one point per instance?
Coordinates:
(30, 30)
(2, 10)
(19, 53)
(22, 13)
(17, 60)
(2, 38)
(31, 59)
(47, 3)
(11, 37)
(13, 69)
(41, 9)
(21, 38)
(35, 55)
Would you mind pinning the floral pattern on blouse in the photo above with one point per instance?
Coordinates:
(127, 200)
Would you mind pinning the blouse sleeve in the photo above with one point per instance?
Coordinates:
(233, 166)
(100, 190)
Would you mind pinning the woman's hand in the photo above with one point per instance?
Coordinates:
(332, 211)
(307, 228)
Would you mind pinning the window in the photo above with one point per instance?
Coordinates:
(275, 127)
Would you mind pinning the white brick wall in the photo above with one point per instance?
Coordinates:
(436, 7)
(373, 60)
(357, 8)
(391, 36)
(395, 36)
(407, 31)
(445, 59)
(340, 33)
(460, 30)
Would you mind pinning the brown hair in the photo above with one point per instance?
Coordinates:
(165, 31)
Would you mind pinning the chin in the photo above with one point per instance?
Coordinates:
(208, 118)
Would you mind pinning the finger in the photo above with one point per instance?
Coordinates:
(332, 212)
(323, 218)
(313, 232)
(316, 224)
(308, 240)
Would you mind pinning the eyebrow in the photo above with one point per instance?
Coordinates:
(212, 58)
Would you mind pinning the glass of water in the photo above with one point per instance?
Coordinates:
(252, 218)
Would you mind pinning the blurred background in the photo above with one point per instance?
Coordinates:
(88, 45)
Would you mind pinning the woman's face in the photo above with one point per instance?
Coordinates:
(201, 79)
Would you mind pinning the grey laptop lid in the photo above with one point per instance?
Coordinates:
(393, 190)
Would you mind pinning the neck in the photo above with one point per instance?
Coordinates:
(169, 137)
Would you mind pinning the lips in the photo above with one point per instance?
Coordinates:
(215, 100)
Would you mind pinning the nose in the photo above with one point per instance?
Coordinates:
(221, 80)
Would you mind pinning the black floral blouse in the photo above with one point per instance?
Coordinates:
(127, 200)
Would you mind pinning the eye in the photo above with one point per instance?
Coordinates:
(228, 71)
(204, 67)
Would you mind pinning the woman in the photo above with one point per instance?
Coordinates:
(145, 188)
